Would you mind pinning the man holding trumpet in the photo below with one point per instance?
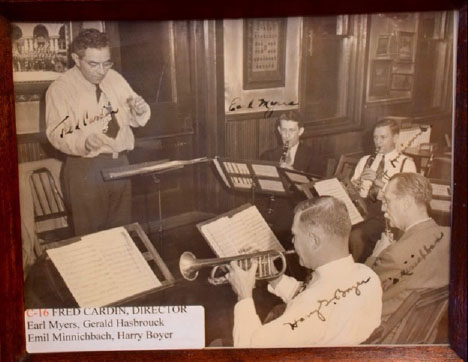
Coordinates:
(340, 305)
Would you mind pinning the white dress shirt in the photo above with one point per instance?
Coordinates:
(394, 162)
(341, 305)
(73, 113)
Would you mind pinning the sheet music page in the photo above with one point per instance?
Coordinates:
(440, 190)
(271, 185)
(221, 172)
(333, 187)
(245, 230)
(103, 268)
(297, 177)
(440, 205)
(265, 170)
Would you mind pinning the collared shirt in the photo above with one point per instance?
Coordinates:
(292, 153)
(73, 113)
(341, 305)
(394, 163)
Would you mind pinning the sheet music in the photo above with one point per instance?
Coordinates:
(297, 177)
(242, 182)
(265, 170)
(103, 268)
(333, 187)
(440, 205)
(414, 134)
(271, 185)
(245, 230)
(221, 172)
(440, 190)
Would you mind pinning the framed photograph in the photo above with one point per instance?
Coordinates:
(264, 53)
(402, 82)
(402, 68)
(196, 133)
(40, 55)
(380, 73)
(405, 46)
(383, 46)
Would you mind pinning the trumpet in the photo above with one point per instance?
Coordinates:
(189, 265)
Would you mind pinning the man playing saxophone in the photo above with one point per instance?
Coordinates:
(370, 177)
(340, 305)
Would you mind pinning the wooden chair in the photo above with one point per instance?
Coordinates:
(440, 168)
(51, 217)
(420, 319)
(347, 164)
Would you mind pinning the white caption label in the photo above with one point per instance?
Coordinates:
(114, 328)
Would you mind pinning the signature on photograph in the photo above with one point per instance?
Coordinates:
(262, 103)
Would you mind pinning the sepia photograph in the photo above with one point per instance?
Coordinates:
(246, 183)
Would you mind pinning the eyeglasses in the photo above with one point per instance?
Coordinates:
(96, 65)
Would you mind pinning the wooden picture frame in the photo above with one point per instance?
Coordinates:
(380, 77)
(402, 82)
(405, 46)
(383, 46)
(40, 54)
(12, 335)
(264, 53)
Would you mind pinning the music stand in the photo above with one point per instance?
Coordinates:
(251, 176)
(153, 168)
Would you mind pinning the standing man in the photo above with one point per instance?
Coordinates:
(89, 112)
(342, 303)
(370, 176)
(420, 258)
(292, 154)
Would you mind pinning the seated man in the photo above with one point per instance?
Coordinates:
(420, 258)
(370, 176)
(341, 305)
(292, 153)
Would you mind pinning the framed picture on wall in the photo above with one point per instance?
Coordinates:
(405, 45)
(380, 77)
(402, 82)
(40, 55)
(383, 46)
(264, 53)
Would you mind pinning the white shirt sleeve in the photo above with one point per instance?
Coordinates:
(286, 288)
(359, 168)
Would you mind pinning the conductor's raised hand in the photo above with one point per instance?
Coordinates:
(242, 281)
(137, 105)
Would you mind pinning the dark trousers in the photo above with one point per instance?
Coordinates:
(96, 204)
(364, 236)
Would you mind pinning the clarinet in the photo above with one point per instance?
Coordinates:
(365, 185)
(388, 232)
(285, 152)
(271, 205)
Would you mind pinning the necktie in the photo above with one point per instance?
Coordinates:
(374, 190)
(113, 125)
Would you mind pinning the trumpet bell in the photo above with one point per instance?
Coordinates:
(186, 263)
